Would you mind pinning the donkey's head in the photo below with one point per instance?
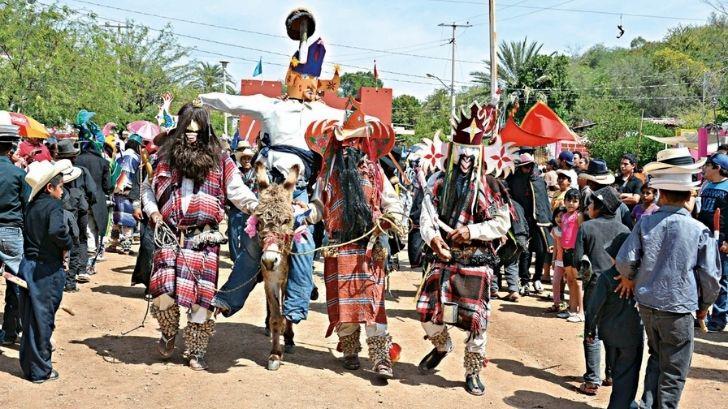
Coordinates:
(275, 218)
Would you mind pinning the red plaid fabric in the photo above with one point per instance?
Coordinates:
(189, 276)
(467, 286)
(354, 281)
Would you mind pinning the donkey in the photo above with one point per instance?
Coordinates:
(275, 230)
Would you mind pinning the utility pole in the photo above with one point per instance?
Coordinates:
(493, 54)
(224, 65)
(454, 26)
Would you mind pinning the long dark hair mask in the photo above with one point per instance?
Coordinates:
(356, 211)
(194, 160)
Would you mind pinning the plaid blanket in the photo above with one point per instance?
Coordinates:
(189, 276)
(354, 279)
(354, 288)
(467, 286)
(123, 211)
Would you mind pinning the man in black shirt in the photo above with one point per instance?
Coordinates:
(629, 184)
(13, 199)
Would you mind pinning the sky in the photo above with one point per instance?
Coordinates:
(389, 29)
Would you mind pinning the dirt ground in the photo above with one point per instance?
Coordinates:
(536, 360)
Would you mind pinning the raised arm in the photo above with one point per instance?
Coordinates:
(256, 106)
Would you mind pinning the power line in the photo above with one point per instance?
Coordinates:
(94, 14)
(611, 13)
(267, 34)
(272, 52)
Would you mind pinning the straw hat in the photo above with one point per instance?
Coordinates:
(674, 159)
(69, 175)
(243, 149)
(674, 170)
(524, 159)
(40, 173)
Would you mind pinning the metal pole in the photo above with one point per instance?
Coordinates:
(224, 65)
(493, 54)
(452, 72)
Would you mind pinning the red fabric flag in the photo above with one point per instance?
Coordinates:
(542, 121)
(513, 133)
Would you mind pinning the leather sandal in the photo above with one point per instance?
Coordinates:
(165, 346)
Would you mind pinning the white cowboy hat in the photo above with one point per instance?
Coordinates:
(69, 175)
(524, 159)
(674, 158)
(678, 181)
(40, 173)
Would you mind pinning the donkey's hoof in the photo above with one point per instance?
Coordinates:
(273, 364)
(289, 349)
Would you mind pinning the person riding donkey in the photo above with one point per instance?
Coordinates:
(283, 124)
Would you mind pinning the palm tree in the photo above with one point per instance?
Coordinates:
(207, 77)
(513, 57)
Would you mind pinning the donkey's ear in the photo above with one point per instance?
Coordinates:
(292, 179)
(261, 176)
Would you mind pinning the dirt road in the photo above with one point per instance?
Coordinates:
(536, 360)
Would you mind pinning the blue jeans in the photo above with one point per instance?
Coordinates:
(236, 225)
(11, 253)
(719, 312)
(233, 294)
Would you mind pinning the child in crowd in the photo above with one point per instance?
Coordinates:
(594, 235)
(671, 263)
(558, 254)
(46, 240)
(570, 222)
(563, 181)
(618, 324)
(647, 204)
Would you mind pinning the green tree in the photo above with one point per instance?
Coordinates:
(208, 77)
(351, 83)
(405, 110)
(513, 58)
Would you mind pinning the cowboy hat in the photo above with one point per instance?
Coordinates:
(677, 181)
(69, 175)
(68, 148)
(608, 197)
(9, 133)
(598, 172)
(40, 173)
(674, 159)
(243, 149)
(524, 159)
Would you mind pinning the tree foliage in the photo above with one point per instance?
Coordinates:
(351, 82)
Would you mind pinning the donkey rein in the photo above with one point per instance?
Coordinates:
(164, 237)
(377, 225)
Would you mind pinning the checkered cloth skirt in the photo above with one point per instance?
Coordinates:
(189, 275)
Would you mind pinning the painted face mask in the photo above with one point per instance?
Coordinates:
(191, 133)
(466, 157)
